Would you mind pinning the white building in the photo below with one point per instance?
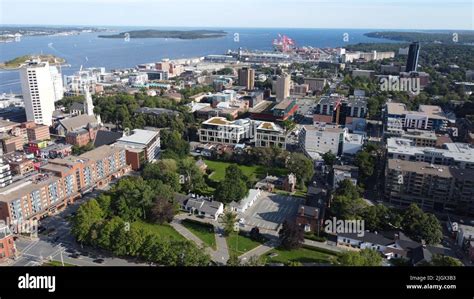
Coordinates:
(5, 174)
(89, 77)
(138, 79)
(146, 140)
(245, 203)
(220, 130)
(38, 92)
(57, 83)
(453, 154)
(321, 138)
(269, 134)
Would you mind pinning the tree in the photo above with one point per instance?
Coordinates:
(229, 219)
(329, 158)
(165, 170)
(291, 235)
(193, 177)
(88, 215)
(347, 188)
(172, 141)
(365, 257)
(345, 207)
(132, 198)
(163, 211)
(421, 226)
(234, 186)
(301, 166)
(366, 164)
(445, 261)
(376, 217)
(104, 238)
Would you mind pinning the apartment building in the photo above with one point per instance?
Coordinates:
(428, 117)
(269, 134)
(452, 154)
(220, 130)
(433, 187)
(60, 182)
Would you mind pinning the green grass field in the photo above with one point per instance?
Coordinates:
(302, 255)
(57, 264)
(254, 172)
(204, 231)
(164, 231)
(239, 244)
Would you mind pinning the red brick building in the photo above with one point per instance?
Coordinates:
(7, 244)
(308, 218)
(81, 137)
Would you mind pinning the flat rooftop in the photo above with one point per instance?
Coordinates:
(25, 186)
(100, 152)
(430, 169)
(139, 136)
(456, 151)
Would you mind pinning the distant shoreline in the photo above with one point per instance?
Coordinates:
(150, 33)
(16, 63)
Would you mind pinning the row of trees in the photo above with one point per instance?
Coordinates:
(108, 222)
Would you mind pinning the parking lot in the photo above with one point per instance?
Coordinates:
(270, 210)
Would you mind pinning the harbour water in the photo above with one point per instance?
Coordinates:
(88, 50)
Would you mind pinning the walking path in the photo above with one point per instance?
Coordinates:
(219, 256)
(260, 250)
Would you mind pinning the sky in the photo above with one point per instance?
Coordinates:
(363, 14)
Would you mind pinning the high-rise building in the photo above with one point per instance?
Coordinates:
(38, 92)
(413, 53)
(247, 78)
(57, 82)
(283, 87)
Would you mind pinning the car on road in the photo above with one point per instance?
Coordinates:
(75, 255)
(99, 261)
(242, 221)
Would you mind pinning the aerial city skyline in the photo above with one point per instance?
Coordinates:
(157, 134)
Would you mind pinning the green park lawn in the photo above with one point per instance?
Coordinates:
(239, 244)
(302, 255)
(254, 172)
(163, 231)
(203, 231)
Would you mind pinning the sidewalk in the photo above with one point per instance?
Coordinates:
(219, 256)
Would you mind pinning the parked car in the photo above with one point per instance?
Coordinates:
(99, 261)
